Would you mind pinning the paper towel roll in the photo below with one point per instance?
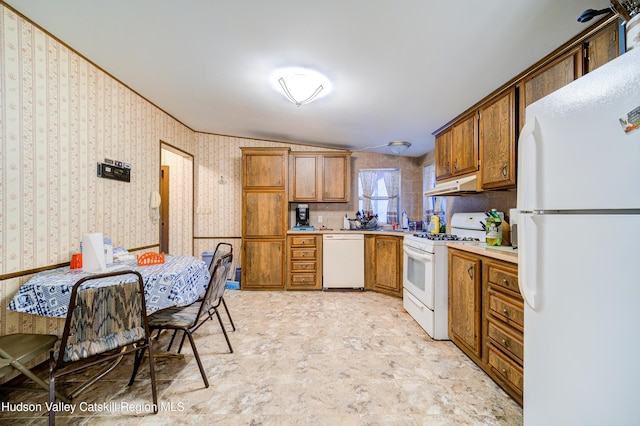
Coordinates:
(93, 259)
(108, 254)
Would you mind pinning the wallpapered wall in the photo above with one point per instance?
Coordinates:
(60, 115)
(218, 198)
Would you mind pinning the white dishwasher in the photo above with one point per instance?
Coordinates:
(343, 261)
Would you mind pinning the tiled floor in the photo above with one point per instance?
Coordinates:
(301, 358)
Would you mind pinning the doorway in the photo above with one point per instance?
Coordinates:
(164, 209)
(176, 207)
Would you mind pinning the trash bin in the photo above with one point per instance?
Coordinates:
(207, 257)
(235, 283)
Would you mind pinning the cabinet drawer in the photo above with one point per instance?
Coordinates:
(506, 279)
(303, 253)
(303, 279)
(303, 241)
(506, 369)
(509, 341)
(506, 308)
(303, 266)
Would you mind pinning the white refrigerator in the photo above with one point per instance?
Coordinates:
(579, 250)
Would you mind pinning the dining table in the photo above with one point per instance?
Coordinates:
(179, 281)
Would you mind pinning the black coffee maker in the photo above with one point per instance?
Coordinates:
(302, 215)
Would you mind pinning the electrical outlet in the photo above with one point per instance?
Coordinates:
(319, 219)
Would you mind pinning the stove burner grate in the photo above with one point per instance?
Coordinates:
(445, 237)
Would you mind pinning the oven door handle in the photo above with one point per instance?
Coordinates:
(418, 255)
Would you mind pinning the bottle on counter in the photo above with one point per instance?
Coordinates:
(435, 224)
(405, 220)
(494, 228)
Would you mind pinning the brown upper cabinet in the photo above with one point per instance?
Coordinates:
(443, 155)
(485, 136)
(457, 148)
(556, 74)
(264, 168)
(497, 129)
(602, 47)
(464, 145)
(320, 177)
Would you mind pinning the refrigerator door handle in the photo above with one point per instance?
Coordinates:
(528, 164)
(527, 247)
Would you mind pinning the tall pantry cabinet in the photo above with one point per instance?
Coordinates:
(264, 217)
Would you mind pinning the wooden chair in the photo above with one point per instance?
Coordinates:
(190, 318)
(18, 349)
(103, 323)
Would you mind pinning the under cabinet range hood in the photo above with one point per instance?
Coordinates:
(463, 185)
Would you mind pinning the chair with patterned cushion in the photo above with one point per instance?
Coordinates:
(106, 320)
(221, 250)
(190, 318)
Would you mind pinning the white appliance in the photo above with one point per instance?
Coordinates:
(343, 261)
(579, 246)
(425, 272)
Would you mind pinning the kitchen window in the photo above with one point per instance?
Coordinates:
(379, 191)
(433, 205)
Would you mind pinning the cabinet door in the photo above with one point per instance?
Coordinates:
(304, 177)
(443, 155)
(264, 214)
(498, 142)
(464, 146)
(602, 47)
(262, 265)
(550, 78)
(336, 179)
(384, 263)
(465, 301)
(264, 169)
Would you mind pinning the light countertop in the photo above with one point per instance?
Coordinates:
(506, 253)
(398, 233)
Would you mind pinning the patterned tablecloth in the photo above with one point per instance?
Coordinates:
(177, 282)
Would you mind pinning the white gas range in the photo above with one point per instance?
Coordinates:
(426, 286)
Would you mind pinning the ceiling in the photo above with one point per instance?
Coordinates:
(400, 69)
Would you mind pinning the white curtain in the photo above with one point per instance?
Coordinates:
(368, 179)
(392, 183)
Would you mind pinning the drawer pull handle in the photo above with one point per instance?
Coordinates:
(470, 272)
(505, 343)
(505, 312)
(504, 371)
(505, 282)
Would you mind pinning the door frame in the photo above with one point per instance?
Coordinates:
(166, 147)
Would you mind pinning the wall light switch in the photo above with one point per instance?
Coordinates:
(319, 219)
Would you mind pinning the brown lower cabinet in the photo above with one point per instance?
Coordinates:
(304, 260)
(486, 316)
(263, 264)
(383, 264)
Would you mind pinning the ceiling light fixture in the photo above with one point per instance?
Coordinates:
(397, 147)
(301, 86)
